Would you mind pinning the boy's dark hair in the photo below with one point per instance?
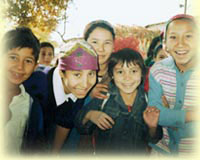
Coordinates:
(99, 23)
(21, 37)
(47, 44)
(129, 56)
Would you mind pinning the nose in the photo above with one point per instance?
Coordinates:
(46, 57)
(20, 65)
(100, 48)
(127, 76)
(181, 41)
(84, 81)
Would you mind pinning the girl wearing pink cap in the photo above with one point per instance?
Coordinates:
(68, 84)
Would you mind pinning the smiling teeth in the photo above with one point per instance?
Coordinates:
(181, 52)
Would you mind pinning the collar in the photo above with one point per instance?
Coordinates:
(139, 99)
(170, 63)
(23, 92)
(58, 89)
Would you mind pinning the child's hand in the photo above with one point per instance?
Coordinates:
(97, 91)
(151, 116)
(101, 119)
(164, 101)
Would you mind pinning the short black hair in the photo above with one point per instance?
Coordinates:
(21, 37)
(129, 56)
(155, 41)
(99, 23)
(46, 44)
(155, 51)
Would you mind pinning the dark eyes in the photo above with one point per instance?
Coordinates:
(30, 61)
(172, 37)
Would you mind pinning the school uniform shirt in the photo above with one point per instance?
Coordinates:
(181, 92)
(61, 108)
(14, 128)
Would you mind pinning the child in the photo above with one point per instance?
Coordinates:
(159, 54)
(46, 54)
(100, 34)
(176, 78)
(23, 114)
(68, 84)
(120, 122)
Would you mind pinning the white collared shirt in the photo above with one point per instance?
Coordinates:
(14, 128)
(58, 89)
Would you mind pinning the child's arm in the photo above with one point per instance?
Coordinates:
(168, 117)
(97, 91)
(60, 136)
(151, 116)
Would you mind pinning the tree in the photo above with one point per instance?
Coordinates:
(42, 16)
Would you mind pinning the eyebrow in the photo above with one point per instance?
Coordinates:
(104, 40)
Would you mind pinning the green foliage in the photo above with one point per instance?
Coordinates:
(42, 15)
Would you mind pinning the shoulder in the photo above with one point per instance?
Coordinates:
(163, 68)
(35, 107)
(167, 63)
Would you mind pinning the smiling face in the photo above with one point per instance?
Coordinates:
(102, 41)
(78, 82)
(127, 77)
(46, 56)
(181, 43)
(20, 63)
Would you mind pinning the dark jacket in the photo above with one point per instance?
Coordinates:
(129, 134)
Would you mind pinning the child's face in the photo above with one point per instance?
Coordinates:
(160, 55)
(20, 63)
(102, 41)
(46, 56)
(127, 78)
(78, 82)
(181, 42)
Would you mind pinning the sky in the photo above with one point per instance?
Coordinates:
(124, 12)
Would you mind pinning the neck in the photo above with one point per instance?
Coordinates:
(102, 69)
(13, 89)
(192, 63)
(129, 98)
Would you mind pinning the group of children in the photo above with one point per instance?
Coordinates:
(101, 93)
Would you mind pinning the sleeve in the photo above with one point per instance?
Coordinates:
(168, 117)
(87, 128)
(157, 137)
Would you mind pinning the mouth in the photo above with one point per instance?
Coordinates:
(181, 52)
(102, 56)
(127, 84)
(82, 91)
(17, 75)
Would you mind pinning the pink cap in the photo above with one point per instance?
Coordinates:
(78, 55)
